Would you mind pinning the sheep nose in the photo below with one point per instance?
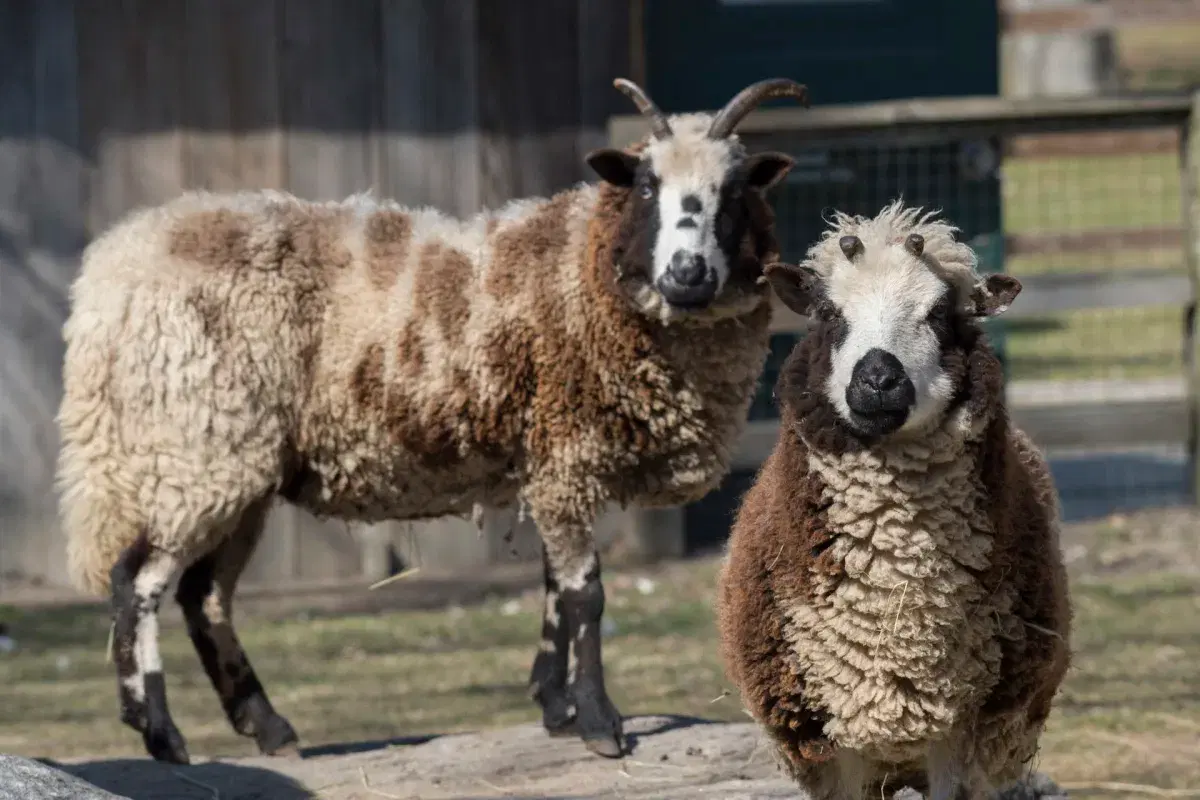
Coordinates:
(879, 370)
(688, 269)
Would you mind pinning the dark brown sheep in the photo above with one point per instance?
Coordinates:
(893, 607)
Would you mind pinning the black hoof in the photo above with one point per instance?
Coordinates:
(607, 746)
(276, 737)
(599, 725)
(166, 744)
(558, 709)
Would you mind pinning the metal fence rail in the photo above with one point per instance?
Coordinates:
(1083, 200)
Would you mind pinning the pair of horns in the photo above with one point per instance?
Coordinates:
(852, 246)
(728, 117)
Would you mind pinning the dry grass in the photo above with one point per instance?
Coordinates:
(1130, 711)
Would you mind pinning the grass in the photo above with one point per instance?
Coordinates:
(1129, 712)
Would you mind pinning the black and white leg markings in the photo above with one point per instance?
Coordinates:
(548, 680)
(205, 595)
(139, 579)
(596, 718)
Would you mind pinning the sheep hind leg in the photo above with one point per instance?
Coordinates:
(548, 678)
(139, 578)
(575, 567)
(206, 596)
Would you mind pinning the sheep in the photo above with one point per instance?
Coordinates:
(892, 602)
(368, 361)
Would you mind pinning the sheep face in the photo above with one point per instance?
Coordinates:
(893, 325)
(692, 190)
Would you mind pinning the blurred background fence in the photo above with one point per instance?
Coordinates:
(105, 106)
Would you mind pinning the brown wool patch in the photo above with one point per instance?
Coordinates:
(211, 310)
(388, 236)
(315, 240)
(444, 276)
(537, 240)
(410, 350)
(215, 239)
(366, 382)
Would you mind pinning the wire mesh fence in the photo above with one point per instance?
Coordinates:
(1089, 215)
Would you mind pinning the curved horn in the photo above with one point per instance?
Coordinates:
(658, 120)
(747, 99)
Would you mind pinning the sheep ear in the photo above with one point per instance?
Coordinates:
(992, 296)
(764, 170)
(798, 288)
(614, 166)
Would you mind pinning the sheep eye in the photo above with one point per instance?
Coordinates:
(941, 309)
(647, 191)
(726, 223)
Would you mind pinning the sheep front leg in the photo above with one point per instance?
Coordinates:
(548, 679)
(573, 572)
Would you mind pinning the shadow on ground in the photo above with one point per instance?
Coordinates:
(144, 779)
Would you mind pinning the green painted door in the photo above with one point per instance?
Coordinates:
(700, 52)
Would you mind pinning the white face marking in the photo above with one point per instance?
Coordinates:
(691, 169)
(885, 300)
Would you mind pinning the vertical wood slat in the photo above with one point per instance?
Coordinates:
(429, 144)
(18, 376)
(59, 232)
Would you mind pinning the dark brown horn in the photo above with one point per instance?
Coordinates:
(915, 244)
(658, 120)
(747, 99)
(851, 246)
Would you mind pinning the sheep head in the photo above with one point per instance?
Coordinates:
(895, 303)
(694, 213)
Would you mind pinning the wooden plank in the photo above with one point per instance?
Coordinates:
(21, 395)
(1093, 241)
(948, 117)
(56, 204)
(1190, 199)
(605, 53)
(1049, 294)
(430, 143)
(331, 96)
(1157, 141)
(1106, 15)
(107, 107)
(528, 99)
(1097, 425)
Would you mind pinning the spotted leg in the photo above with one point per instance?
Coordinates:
(139, 578)
(206, 596)
(575, 570)
(548, 679)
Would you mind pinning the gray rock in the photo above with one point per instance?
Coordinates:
(26, 779)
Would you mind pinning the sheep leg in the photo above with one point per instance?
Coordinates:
(548, 679)
(206, 596)
(139, 578)
(947, 774)
(575, 569)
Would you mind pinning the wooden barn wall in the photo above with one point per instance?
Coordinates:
(106, 106)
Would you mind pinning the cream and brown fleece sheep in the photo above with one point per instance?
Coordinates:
(369, 361)
(893, 607)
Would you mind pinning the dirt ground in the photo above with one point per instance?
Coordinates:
(352, 679)
(673, 757)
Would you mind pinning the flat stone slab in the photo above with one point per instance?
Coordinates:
(26, 779)
(673, 758)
